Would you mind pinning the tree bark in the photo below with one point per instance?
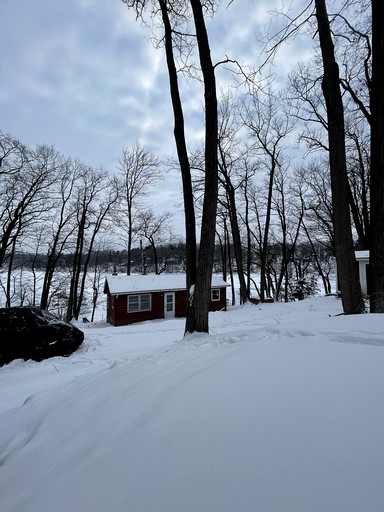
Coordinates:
(76, 269)
(207, 238)
(182, 153)
(345, 257)
(264, 251)
(377, 158)
(233, 217)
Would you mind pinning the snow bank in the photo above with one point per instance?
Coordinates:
(278, 410)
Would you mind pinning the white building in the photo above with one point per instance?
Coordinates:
(362, 258)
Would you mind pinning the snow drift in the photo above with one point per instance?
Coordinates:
(278, 410)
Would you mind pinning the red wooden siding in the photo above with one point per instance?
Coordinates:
(181, 303)
(117, 307)
(218, 305)
(122, 317)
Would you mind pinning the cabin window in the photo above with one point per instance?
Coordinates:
(139, 303)
(215, 294)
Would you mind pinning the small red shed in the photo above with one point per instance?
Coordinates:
(137, 298)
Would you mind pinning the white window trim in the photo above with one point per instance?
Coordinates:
(140, 309)
(219, 294)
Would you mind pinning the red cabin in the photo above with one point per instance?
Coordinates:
(137, 298)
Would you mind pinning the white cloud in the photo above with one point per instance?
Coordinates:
(82, 75)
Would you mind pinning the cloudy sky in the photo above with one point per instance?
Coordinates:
(83, 76)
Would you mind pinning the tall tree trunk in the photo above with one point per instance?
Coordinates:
(230, 268)
(182, 153)
(236, 240)
(53, 257)
(80, 290)
(264, 251)
(8, 295)
(58, 243)
(208, 228)
(95, 288)
(377, 158)
(249, 234)
(199, 276)
(76, 270)
(233, 217)
(48, 276)
(130, 237)
(345, 257)
(223, 253)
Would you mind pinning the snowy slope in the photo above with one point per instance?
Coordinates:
(280, 409)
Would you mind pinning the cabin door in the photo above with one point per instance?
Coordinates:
(169, 305)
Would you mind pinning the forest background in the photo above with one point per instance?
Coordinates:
(276, 213)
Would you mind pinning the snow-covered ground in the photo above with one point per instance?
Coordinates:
(279, 409)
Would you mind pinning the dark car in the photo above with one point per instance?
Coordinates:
(28, 332)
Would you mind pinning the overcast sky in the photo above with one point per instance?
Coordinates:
(82, 75)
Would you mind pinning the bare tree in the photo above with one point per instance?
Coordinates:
(12, 154)
(314, 184)
(290, 214)
(95, 195)
(359, 29)
(346, 265)
(24, 196)
(307, 105)
(201, 295)
(182, 154)
(268, 126)
(231, 179)
(155, 228)
(377, 156)
(198, 276)
(61, 226)
(139, 170)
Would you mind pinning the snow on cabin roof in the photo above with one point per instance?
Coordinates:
(122, 284)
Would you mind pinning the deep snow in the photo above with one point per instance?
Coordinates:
(279, 409)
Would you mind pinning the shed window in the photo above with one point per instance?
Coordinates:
(139, 303)
(215, 294)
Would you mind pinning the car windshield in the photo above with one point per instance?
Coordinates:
(45, 316)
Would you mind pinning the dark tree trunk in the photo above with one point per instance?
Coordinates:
(230, 268)
(345, 257)
(198, 276)
(130, 237)
(95, 294)
(208, 228)
(48, 276)
(236, 240)
(6, 238)
(182, 153)
(79, 292)
(59, 240)
(233, 217)
(377, 158)
(76, 270)
(223, 252)
(264, 249)
(8, 294)
(53, 257)
(249, 234)
(155, 256)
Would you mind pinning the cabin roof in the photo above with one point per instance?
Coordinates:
(122, 284)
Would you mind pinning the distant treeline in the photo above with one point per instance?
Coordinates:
(171, 258)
